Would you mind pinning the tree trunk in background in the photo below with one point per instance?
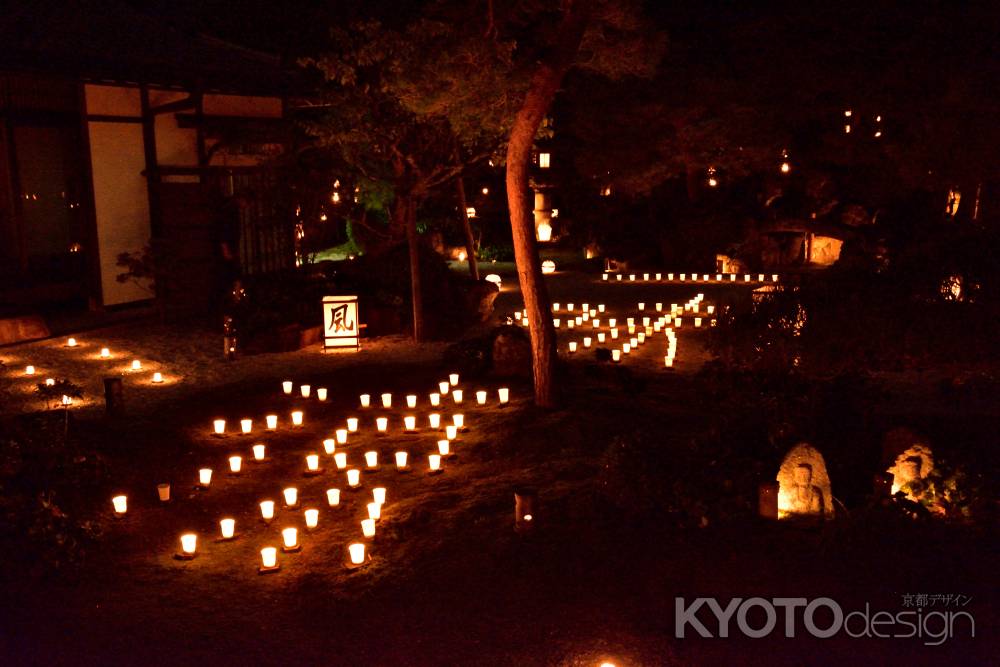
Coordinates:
(544, 84)
(408, 209)
(470, 243)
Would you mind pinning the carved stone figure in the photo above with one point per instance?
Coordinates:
(804, 485)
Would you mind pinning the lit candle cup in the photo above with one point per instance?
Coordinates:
(120, 504)
(411, 401)
(321, 393)
(586, 341)
(189, 544)
(616, 355)
(333, 497)
(386, 401)
(357, 552)
(451, 431)
(268, 559)
(459, 421)
(368, 528)
(267, 510)
(481, 397)
(352, 424)
(29, 370)
(410, 423)
(366, 400)
(330, 446)
(444, 447)
(434, 419)
(157, 377)
(371, 459)
(401, 458)
(453, 379)
(340, 459)
(219, 426)
(353, 478)
(434, 463)
(259, 451)
(291, 495)
(71, 342)
(272, 422)
(503, 394)
(297, 418)
(378, 495)
(204, 477)
(572, 346)
(246, 425)
(457, 396)
(444, 387)
(381, 424)
(305, 390)
(235, 464)
(105, 353)
(290, 539)
(435, 399)
(287, 386)
(136, 365)
(312, 463)
(227, 528)
(374, 511)
(341, 434)
(312, 518)
(163, 492)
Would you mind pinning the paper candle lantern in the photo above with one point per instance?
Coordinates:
(401, 460)
(136, 365)
(329, 446)
(435, 399)
(434, 419)
(219, 426)
(287, 386)
(604, 277)
(503, 393)
(269, 558)
(457, 395)
(410, 423)
(444, 447)
(297, 418)
(556, 322)
(312, 518)
(205, 477)
(321, 393)
(368, 528)
(353, 477)
(444, 387)
(352, 424)
(228, 528)
(333, 497)
(642, 305)
(459, 421)
(371, 459)
(697, 321)
(555, 306)
(120, 503)
(586, 341)
(434, 462)
(378, 495)
(312, 462)
(451, 431)
(267, 510)
(189, 543)
(374, 511)
(29, 370)
(357, 552)
(235, 464)
(305, 390)
(600, 338)
(600, 307)
(246, 425)
(616, 355)
(381, 424)
(386, 400)
(105, 353)
(291, 495)
(163, 491)
(258, 452)
(272, 422)
(340, 459)
(341, 434)
(290, 538)
(626, 348)
(645, 276)
(157, 377)
(70, 342)
(366, 400)
(453, 379)
(668, 361)
(481, 397)
(572, 346)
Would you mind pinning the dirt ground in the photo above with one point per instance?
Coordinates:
(449, 582)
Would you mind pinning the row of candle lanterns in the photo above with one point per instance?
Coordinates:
(689, 277)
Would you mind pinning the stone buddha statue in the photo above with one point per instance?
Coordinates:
(805, 497)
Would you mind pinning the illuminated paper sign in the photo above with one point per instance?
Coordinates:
(341, 328)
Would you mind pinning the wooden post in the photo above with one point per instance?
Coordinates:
(114, 395)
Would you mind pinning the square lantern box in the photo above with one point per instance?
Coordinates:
(341, 328)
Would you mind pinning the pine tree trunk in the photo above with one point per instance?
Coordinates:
(544, 84)
(470, 243)
(409, 212)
